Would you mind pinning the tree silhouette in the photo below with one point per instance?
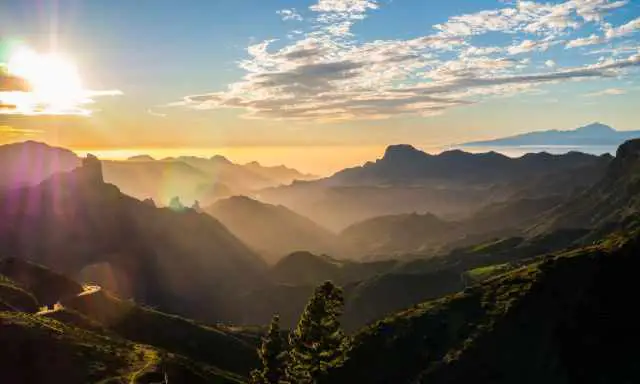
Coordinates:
(317, 343)
(176, 205)
(273, 355)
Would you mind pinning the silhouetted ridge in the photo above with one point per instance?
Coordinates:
(402, 152)
(92, 169)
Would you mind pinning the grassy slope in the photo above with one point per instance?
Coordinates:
(46, 350)
(99, 315)
(579, 300)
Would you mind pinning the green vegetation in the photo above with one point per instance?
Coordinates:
(317, 343)
(273, 356)
(483, 273)
(97, 337)
(560, 319)
(13, 297)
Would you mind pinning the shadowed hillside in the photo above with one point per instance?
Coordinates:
(562, 319)
(615, 197)
(91, 335)
(185, 262)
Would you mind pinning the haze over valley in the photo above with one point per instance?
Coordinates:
(319, 191)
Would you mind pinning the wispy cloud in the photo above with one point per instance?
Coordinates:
(624, 30)
(7, 131)
(584, 41)
(607, 92)
(328, 74)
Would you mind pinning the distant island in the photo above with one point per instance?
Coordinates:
(596, 134)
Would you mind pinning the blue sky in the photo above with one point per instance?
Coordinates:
(325, 72)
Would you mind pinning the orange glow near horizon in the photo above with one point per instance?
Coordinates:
(317, 160)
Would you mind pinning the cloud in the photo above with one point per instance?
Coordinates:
(7, 131)
(544, 19)
(347, 7)
(584, 41)
(623, 30)
(328, 74)
(529, 46)
(290, 14)
(607, 92)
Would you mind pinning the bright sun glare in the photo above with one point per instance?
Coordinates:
(54, 81)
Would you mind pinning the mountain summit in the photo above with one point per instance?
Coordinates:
(595, 134)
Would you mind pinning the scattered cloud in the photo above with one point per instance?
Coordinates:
(328, 74)
(607, 92)
(290, 14)
(529, 46)
(623, 30)
(584, 41)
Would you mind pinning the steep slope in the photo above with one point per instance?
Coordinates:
(562, 319)
(273, 231)
(184, 262)
(612, 199)
(30, 162)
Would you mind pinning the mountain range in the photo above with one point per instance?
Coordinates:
(77, 224)
(595, 134)
(449, 184)
(531, 283)
(189, 178)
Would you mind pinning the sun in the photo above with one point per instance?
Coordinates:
(54, 83)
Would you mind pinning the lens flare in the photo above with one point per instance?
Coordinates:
(54, 83)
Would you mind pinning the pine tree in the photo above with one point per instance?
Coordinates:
(317, 342)
(273, 355)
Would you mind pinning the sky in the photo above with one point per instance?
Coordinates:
(296, 81)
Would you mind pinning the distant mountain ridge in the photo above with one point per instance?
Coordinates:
(451, 183)
(273, 231)
(188, 177)
(595, 134)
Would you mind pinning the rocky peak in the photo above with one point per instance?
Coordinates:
(91, 169)
(402, 152)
